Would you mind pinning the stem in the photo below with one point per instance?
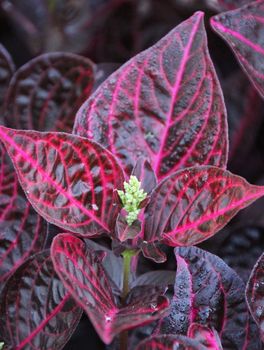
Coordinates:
(127, 256)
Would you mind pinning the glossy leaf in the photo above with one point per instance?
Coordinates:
(243, 30)
(255, 294)
(69, 180)
(193, 204)
(169, 342)
(84, 276)
(46, 93)
(207, 292)
(22, 231)
(164, 104)
(36, 312)
(206, 336)
(6, 71)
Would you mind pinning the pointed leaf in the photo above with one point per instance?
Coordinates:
(22, 230)
(84, 276)
(255, 294)
(164, 104)
(145, 174)
(169, 342)
(206, 336)
(6, 71)
(152, 251)
(123, 231)
(36, 312)
(243, 30)
(69, 180)
(46, 93)
(208, 292)
(193, 204)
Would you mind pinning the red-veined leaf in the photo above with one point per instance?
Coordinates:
(255, 294)
(69, 180)
(164, 104)
(83, 275)
(194, 203)
(169, 342)
(6, 71)
(206, 336)
(145, 174)
(22, 230)
(46, 93)
(36, 312)
(243, 30)
(210, 293)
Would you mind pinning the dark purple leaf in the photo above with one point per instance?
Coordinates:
(152, 251)
(22, 231)
(206, 336)
(255, 294)
(69, 180)
(207, 292)
(123, 231)
(193, 204)
(165, 104)
(6, 71)
(36, 312)
(83, 275)
(243, 30)
(169, 342)
(46, 93)
(145, 174)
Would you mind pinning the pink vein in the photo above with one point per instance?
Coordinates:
(238, 36)
(46, 176)
(43, 323)
(218, 213)
(175, 92)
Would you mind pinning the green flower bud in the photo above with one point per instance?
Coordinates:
(131, 198)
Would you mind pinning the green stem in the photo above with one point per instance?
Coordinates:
(127, 256)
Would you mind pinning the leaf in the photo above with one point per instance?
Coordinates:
(206, 336)
(22, 231)
(169, 342)
(243, 30)
(36, 312)
(69, 180)
(123, 231)
(165, 104)
(84, 277)
(145, 174)
(255, 294)
(6, 71)
(207, 292)
(46, 93)
(193, 204)
(152, 251)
